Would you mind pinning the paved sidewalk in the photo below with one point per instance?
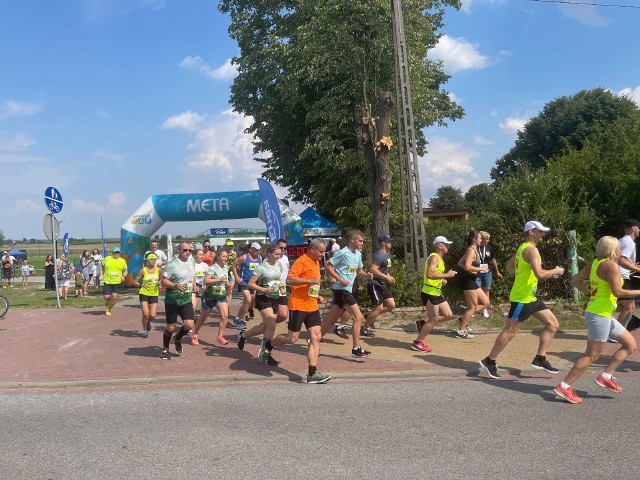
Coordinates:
(52, 348)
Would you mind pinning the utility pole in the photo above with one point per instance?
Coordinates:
(412, 216)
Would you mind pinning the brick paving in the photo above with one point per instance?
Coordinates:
(82, 347)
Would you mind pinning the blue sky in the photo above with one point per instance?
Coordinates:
(112, 101)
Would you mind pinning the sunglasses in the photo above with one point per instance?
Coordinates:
(187, 250)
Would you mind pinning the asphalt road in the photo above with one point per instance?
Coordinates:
(434, 428)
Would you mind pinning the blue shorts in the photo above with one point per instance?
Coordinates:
(209, 303)
(483, 280)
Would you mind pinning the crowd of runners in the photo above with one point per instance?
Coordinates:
(201, 279)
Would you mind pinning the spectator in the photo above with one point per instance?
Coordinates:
(86, 262)
(26, 270)
(65, 272)
(487, 259)
(97, 264)
(49, 272)
(7, 269)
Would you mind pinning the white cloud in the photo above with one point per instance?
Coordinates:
(480, 140)
(83, 206)
(14, 108)
(108, 155)
(632, 93)
(513, 125)
(27, 205)
(585, 14)
(115, 201)
(446, 163)
(188, 121)
(455, 98)
(226, 71)
(458, 54)
(14, 149)
(467, 4)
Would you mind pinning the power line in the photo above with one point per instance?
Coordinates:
(593, 4)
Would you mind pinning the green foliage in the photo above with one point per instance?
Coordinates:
(564, 123)
(2, 239)
(305, 71)
(448, 198)
(479, 197)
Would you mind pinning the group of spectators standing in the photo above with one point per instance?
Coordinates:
(89, 270)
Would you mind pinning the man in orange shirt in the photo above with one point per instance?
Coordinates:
(304, 280)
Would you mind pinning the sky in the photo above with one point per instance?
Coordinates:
(112, 101)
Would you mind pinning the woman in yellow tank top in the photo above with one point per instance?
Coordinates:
(148, 279)
(604, 288)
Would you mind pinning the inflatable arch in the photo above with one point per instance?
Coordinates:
(192, 207)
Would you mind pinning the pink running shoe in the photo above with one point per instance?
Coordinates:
(610, 384)
(420, 346)
(569, 394)
(194, 339)
(221, 341)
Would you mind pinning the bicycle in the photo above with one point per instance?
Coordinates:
(4, 306)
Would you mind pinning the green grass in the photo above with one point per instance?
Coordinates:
(34, 296)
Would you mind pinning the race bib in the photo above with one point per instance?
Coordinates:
(484, 266)
(253, 266)
(314, 291)
(189, 287)
(219, 288)
(275, 284)
(352, 269)
(114, 275)
(199, 273)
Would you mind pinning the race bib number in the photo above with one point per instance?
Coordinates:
(114, 275)
(253, 266)
(219, 288)
(314, 291)
(352, 269)
(199, 273)
(275, 285)
(189, 288)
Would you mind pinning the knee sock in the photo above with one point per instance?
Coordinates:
(166, 339)
(183, 331)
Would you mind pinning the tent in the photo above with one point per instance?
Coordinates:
(315, 225)
(19, 254)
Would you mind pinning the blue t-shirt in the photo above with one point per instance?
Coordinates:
(346, 264)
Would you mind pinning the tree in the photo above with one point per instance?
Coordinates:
(315, 77)
(448, 198)
(2, 239)
(563, 123)
(478, 197)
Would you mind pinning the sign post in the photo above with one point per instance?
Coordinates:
(53, 201)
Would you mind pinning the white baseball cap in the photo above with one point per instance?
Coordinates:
(256, 245)
(441, 239)
(533, 225)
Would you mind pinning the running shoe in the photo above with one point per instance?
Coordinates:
(221, 341)
(367, 332)
(194, 339)
(373, 326)
(419, 324)
(149, 326)
(339, 330)
(263, 354)
(360, 352)
(485, 313)
(318, 378)
(145, 334)
(108, 313)
(490, 367)
(610, 384)
(241, 339)
(540, 363)
(165, 355)
(272, 361)
(420, 347)
(177, 346)
(240, 323)
(568, 394)
(463, 334)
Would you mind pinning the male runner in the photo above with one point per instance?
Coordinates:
(243, 269)
(377, 288)
(527, 266)
(627, 264)
(113, 271)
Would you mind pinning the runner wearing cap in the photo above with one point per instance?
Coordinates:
(438, 309)
(377, 287)
(148, 279)
(113, 270)
(527, 266)
(246, 264)
(605, 287)
(627, 265)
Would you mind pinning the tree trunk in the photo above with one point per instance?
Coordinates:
(377, 143)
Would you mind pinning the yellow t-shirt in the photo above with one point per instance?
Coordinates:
(433, 286)
(602, 301)
(525, 285)
(113, 270)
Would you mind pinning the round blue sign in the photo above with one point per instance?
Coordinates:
(53, 199)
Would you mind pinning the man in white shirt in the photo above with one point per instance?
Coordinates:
(162, 257)
(627, 266)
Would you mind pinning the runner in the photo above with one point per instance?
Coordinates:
(377, 288)
(438, 309)
(147, 279)
(178, 277)
(113, 270)
(243, 269)
(265, 281)
(476, 299)
(232, 257)
(216, 281)
(605, 287)
(488, 259)
(207, 254)
(627, 265)
(343, 267)
(304, 280)
(527, 266)
(201, 268)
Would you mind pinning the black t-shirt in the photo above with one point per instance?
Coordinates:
(485, 254)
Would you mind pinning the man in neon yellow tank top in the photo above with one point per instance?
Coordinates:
(527, 266)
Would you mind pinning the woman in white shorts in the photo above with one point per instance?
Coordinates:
(605, 287)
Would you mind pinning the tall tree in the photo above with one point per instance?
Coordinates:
(563, 123)
(478, 197)
(448, 198)
(315, 77)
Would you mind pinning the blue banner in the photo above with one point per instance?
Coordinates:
(219, 231)
(271, 211)
(65, 245)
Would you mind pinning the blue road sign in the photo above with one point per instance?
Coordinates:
(53, 199)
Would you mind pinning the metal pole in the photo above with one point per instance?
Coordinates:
(54, 237)
(572, 259)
